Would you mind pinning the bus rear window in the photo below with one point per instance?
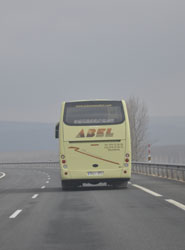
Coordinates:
(93, 113)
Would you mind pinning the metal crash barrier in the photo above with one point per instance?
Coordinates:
(45, 164)
(169, 171)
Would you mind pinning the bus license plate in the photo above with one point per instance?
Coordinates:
(99, 173)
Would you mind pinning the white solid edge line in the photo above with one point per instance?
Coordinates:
(3, 175)
(147, 190)
(14, 215)
(43, 187)
(177, 204)
(35, 196)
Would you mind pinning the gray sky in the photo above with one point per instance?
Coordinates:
(53, 51)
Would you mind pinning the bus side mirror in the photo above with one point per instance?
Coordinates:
(57, 130)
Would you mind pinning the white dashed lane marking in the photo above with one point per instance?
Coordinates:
(35, 196)
(177, 204)
(15, 214)
(43, 187)
(2, 175)
(147, 190)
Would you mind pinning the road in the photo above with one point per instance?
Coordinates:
(36, 214)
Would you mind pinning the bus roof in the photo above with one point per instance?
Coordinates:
(94, 100)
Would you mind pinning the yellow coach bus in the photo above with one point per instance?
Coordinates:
(95, 146)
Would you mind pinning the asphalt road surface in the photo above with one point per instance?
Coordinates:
(36, 214)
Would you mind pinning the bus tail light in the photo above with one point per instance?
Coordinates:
(127, 157)
(63, 161)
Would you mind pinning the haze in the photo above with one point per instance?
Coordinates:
(54, 51)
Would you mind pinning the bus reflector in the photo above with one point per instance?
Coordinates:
(125, 172)
(66, 173)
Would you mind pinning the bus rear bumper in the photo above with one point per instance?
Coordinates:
(109, 181)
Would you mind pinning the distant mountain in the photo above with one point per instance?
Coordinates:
(29, 156)
(23, 136)
(167, 137)
(167, 130)
(168, 154)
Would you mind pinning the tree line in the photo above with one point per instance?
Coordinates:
(138, 118)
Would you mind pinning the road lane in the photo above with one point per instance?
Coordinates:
(170, 189)
(93, 218)
(16, 189)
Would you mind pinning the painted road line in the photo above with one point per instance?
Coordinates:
(177, 204)
(43, 187)
(15, 214)
(2, 175)
(47, 182)
(35, 196)
(147, 190)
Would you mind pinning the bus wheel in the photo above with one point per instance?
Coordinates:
(65, 186)
(123, 184)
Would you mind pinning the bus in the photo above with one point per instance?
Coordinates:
(94, 142)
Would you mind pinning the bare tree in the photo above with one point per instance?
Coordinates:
(138, 117)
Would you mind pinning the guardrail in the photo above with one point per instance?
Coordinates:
(45, 164)
(30, 162)
(169, 171)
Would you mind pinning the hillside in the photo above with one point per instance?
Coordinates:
(21, 136)
(167, 130)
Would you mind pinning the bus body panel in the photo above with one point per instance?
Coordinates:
(93, 133)
(95, 152)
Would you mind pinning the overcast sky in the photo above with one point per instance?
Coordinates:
(60, 50)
